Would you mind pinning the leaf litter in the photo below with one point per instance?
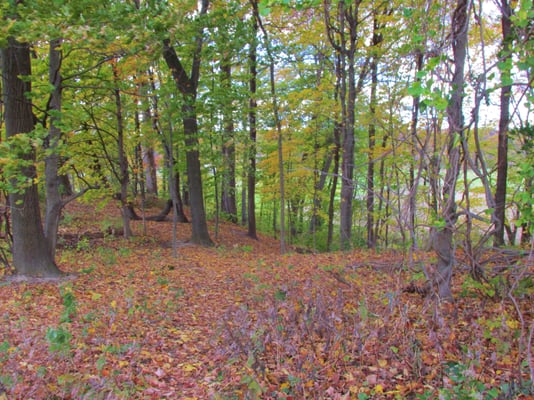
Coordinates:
(239, 320)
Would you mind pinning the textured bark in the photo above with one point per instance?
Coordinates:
(54, 203)
(31, 253)
(228, 197)
(278, 127)
(502, 149)
(442, 242)
(370, 201)
(251, 176)
(333, 188)
(343, 35)
(124, 177)
(187, 85)
(412, 201)
(151, 177)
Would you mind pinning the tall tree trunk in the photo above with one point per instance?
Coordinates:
(412, 200)
(123, 160)
(251, 176)
(199, 226)
(333, 187)
(228, 196)
(173, 174)
(502, 148)
(371, 239)
(442, 242)
(319, 175)
(376, 40)
(278, 127)
(343, 39)
(347, 140)
(54, 203)
(31, 252)
(187, 85)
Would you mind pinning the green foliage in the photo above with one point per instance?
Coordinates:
(463, 386)
(4, 350)
(525, 196)
(108, 256)
(69, 305)
(59, 340)
(495, 287)
(16, 163)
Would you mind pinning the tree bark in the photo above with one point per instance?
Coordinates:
(333, 188)
(123, 160)
(371, 239)
(31, 252)
(151, 177)
(504, 119)
(54, 203)
(228, 197)
(442, 242)
(278, 127)
(343, 39)
(412, 200)
(251, 176)
(187, 85)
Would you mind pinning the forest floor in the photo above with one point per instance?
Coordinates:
(239, 320)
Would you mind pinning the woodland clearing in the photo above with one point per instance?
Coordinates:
(239, 320)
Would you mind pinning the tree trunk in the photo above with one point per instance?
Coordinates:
(343, 39)
(228, 197)
(502, 148)
(316, 221)
(123, 160)
(371, 239)
(442, 242)
(187, 85)
(333, 187)
(251, 176)
(31, 252)
(151, 177)
(278, 127)
(54, 203)
(412, 200)
(199, 226)
(348, 97)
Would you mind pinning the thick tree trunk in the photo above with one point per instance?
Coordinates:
(442, 242)
(187, 85)
(54, 203)
(502, 149)
(31, 252)
(199, 226)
